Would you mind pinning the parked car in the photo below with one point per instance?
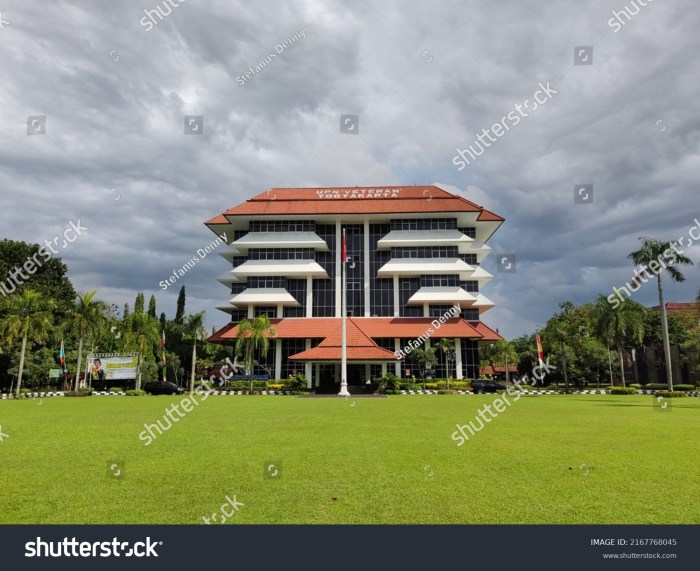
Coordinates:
(482, 386)
(161, 388)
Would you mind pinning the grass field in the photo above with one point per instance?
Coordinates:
(546, 459)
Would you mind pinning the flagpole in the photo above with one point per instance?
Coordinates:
(344, 343)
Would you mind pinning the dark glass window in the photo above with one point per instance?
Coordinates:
(381, 289)
(324, 289)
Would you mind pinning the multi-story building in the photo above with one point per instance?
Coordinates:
(413, 278)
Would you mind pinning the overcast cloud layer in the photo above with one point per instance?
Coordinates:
(424, 78)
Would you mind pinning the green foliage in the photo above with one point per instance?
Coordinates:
(115, 390)
(275, 386)
(655, 387)
(296, 383)
(623, 391)
(683, 387)
(135, 393)
(85, 390)
(671, 394)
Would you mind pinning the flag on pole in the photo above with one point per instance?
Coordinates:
(344, 249)
(540, 352)
(162, 346)
(62, 357)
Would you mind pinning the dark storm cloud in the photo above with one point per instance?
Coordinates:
(424, 78)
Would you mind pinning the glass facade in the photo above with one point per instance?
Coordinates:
(381, 290)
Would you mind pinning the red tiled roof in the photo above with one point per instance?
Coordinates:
(219, 335)
(355, 200)
(358, 347)
(497, 369)
(486, 332)
(677, 306)
(372, 327)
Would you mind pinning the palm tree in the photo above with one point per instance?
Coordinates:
(193, 329)
(619, 325)
(254, 336)
(447, 347)
(29, 317)
(143, 333)
(653, 251)
(87, 316)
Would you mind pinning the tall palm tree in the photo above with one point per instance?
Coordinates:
(653, 251)
(254, 336)
(143, 333)
(619, 326)
(86, 317)
(29, 317)
(447, 348)
(193, 329)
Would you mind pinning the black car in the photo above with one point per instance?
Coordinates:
(482, 386)
(161, 388)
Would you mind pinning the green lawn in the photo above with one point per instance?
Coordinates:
(546, 459)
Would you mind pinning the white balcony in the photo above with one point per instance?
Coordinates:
(482, 303)
(415, 267)
(227, 279)
(264, 296)
(442, 296)
(229, 252)
(281, 240)
(413, 238)
(284, 268)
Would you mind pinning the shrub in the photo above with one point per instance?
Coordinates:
(116, 390)
(85, 389)
(683, 387)
(275, 386)
(656, 387)
(296, 384)
(446, 392)
(81, 393)
(25, 391)
(389, 382)
(635, 386)
(431, 386)
(671, 394)
(135, 393)
(623, 391)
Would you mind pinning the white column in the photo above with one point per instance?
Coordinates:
(459, 373)
(396, 296)
(397, 366)
(317, 376)
(309, 296)
(383, 369)
(366, 266)
(280, 311)
(251, 311)
(426, 310)
(368, 372)
(278, 359)
(338, 237)
(308, 368)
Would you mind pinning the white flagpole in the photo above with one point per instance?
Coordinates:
(344, 343)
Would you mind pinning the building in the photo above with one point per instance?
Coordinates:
(414, 276)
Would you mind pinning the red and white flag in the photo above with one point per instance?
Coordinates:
(540, 352)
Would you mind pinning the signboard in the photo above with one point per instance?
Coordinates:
(111, 366)
(54, 373)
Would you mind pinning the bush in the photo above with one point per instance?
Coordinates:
(296, 384)
(85, 390)
(389, 382)
(456, 385)
(623, 391)
(656, 387)
(116, 390)
(683, 387)
(85, 393)
(431, 386)
(275, 387)
(635, 386)
(446, 392)
(671, 394)
(134, 393)
(25, 391)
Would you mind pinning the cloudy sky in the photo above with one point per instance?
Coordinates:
(424, 78)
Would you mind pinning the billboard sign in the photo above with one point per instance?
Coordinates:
(112, 366)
